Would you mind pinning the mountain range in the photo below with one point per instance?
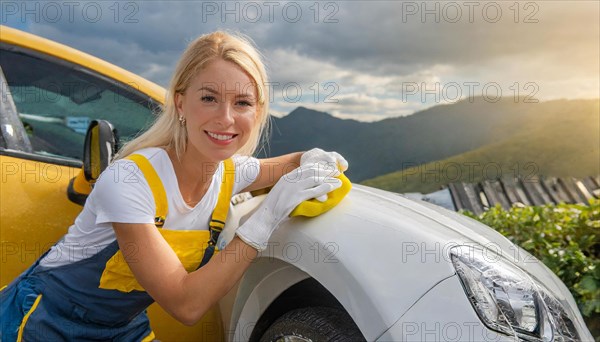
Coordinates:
(557, 138)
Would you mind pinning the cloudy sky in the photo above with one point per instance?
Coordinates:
(365, 60)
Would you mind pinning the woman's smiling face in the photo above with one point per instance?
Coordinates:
(220, 109)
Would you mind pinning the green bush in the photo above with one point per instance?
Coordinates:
(565, 238)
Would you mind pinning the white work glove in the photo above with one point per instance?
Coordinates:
(306, 182)
(332, 160)
(328, 160)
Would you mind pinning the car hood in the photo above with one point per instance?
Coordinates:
(379, 252)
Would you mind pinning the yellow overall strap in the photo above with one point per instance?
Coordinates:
(26, 317)
(219, 215)
(156, 186)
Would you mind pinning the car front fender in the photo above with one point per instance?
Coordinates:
(361, 262)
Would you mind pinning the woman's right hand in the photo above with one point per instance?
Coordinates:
(306, 182)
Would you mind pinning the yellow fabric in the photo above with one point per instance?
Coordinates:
(156, 185)
(220, 213)
(150, 337)
(3, 287)
(313, 207)
(189, 245)
(24, 321)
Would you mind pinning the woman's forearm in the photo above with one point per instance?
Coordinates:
(272, 169)
(206, 286)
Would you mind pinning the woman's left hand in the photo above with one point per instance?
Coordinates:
(330, 160)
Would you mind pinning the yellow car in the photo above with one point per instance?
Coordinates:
(50, 94)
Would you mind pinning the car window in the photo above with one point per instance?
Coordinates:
(57, 100)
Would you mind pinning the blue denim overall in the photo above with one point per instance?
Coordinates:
(69, 306)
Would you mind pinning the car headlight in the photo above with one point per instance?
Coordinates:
(509, 300)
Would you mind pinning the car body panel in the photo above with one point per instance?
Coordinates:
(442, 315)
(25, 185)
(267, 279)
(377, 266)
(351, 256)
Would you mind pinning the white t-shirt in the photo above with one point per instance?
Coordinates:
(122, 194)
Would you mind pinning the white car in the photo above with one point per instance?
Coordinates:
(395, 269)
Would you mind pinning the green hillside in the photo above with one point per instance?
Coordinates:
(563, 139)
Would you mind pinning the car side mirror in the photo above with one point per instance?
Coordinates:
(99, 148)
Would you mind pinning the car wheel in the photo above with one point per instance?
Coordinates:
(313, 324)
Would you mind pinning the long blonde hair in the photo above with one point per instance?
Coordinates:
(166, 131)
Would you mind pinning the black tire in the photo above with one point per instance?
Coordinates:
(317, 324)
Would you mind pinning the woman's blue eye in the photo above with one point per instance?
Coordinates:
(244, 103)
(208, 98)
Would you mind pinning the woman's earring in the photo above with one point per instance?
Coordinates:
(181, 120)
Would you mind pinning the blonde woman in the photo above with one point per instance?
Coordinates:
(148, 229)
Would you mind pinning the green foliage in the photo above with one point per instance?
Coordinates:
(565, 237)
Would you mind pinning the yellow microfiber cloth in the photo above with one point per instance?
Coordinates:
(313, 207)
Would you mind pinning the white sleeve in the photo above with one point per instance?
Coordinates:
(123, 195)
(247, 170)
